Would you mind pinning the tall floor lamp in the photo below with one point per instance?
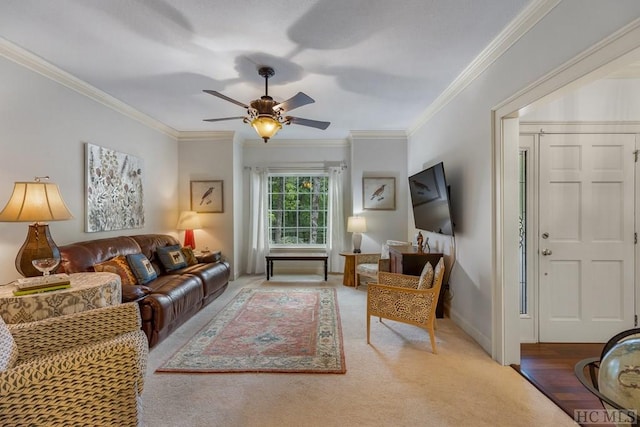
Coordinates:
(36, 201)
(356, 225)
(189, 221)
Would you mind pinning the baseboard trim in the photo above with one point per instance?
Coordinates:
(483, 340)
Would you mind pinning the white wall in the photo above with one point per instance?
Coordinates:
(238, 211)
(210, 159)
(43, 128)
(461, 135)
(615, 100)
(601, 105)
(380, 156)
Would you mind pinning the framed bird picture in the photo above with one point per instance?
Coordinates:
(379, 194)
(206, 196)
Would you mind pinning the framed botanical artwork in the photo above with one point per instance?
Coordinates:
(379, 194)
(206, 196)
(113, 190)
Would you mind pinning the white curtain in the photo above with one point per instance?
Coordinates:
(258, 209)
(336, 238)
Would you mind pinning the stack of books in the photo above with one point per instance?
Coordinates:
(35, 285)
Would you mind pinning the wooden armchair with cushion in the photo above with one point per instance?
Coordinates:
(85, 368)
(407, 299)
(368, 265)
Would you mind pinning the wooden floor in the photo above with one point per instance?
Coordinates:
(549, 367)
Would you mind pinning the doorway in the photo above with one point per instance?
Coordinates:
(577, 267)
(595, 63)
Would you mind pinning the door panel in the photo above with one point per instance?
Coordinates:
(586, 241)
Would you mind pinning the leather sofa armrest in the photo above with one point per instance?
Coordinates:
(209, 257)
(131, 293)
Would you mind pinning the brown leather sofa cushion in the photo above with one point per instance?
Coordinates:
(82, 256)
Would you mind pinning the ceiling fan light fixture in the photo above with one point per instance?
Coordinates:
(267, 116)
(266, 127)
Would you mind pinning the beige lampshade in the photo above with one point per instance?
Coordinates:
(35, 202)
(189, 220)
(356, 224)
(266, 127)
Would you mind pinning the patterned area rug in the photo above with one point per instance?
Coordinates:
(268, 330)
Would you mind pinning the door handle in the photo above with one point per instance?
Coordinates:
(546, 252)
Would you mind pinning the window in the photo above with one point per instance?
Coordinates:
(522, 225)
(298, 209)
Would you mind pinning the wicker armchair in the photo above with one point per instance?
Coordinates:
(396, 297)
(85, 368)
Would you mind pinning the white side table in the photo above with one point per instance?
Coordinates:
(87, 291)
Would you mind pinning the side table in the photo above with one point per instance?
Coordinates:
(87, 291)
(349, 273)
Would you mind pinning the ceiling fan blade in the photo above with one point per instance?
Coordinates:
(226, 98)
(308, 122)
(223, 118)
(298, 100)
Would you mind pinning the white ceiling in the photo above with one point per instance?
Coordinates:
(369, 64)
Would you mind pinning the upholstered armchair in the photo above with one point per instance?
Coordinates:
(368, 265)
(85, 368)
(407, 299)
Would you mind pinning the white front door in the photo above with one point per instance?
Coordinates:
(586, 237)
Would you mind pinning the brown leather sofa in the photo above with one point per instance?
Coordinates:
(167, 301)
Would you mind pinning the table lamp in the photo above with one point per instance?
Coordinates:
(356, 225)
(189, 221)
(35, 201)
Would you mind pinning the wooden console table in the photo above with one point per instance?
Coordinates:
(284, 256)
(412, 262)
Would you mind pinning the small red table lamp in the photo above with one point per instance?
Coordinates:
(189, 221)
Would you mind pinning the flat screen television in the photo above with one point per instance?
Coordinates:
(430, 200)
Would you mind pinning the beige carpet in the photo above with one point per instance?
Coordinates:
(396, 381)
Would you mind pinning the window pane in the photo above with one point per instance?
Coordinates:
(298, 209)
(522, 223)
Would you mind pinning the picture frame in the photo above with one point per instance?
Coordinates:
(114, 196)
(207, 196)
(379, 193)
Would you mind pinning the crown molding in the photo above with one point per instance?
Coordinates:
(296, 143)
(36, 64)
(192, 136)
(378, 134)
(517, 28)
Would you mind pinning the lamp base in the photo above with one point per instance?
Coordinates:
(189, 239)
(38, 244)
(357, 241)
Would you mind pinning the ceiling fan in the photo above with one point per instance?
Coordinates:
(267, 116)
